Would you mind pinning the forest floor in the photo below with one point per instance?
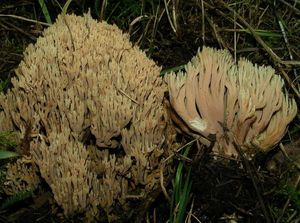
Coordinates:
(264, 32)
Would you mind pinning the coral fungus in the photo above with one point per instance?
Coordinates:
(224, 103)
(99, 127)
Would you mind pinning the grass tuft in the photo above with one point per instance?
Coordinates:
(182, 185)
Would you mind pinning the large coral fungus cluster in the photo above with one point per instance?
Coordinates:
(89, 109)
(228, 105)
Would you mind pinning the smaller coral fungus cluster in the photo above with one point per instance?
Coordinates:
(224, 103)
(89, 110)
(21, 176)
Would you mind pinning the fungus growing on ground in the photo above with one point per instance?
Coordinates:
(89, 107)
(21, 176)
(222, 102)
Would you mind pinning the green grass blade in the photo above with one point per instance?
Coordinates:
(4, 84)
(45, 11)
(171, 217)
(65, 8)
(181, 191)
(266, 33)
(97, 6)
(21, 196)
(7, 139)
(178, 182)
(4, 154)
(173, 69)
(184, 199)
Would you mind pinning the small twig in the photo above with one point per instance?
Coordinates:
(257, 38)
(203, 22)
(190, 213)
(286, 40)
(103, 9)
(288, 80)
(135, 101)
(180, 148)
(163, 188)
(180, 157)
(197, 219)
(292, 216)
(21, 30)
(296, 164)
(243, 211)
(169, 17)
(249, 168)
(174, 15)
(221, 13)
(261, 16)
(234, 35)
(25, 19)
(291, 6)
(163, 167)
(155, 25)
(135, 21)
(291, 62)
(154, 215)
(221, 42)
